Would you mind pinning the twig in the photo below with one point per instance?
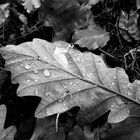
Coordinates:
(110, 55)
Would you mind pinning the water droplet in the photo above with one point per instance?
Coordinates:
(78, 89)
(74, 85)
(13, 62)
(92, 97)
(39, 58)
(28, 80)
(64, 86)
(64, 104)
(35, 71)
(46, 72)
(27, 67)
(60, 100)
(91, 74)
(70, 83)
(112, 106)
(113, 84)
(36, 92)
(46, 57)
(114, 77)
(129, 93)
(21, 65)
(36, 80)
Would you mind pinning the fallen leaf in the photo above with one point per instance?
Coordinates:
(64, 77)
(91, 38)
(23, 19)
(30, 5)
(92, 2)
(42, 125)
(138, 4)
(8, 133)
(4, 12)
(128, 22)
(76, 134)
(65, 16)
(125, 130)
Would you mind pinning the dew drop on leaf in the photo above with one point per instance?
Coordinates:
(65, 86)
(114, 77)
(46, 72)
(74, 85)
(70, 83)
(39, 58)
(60, 100)
(48, 94)
(28, 81)
(45, 57)
(35, 71)
(112, 106)
(64, 104)
(92, 97)
(36, 92)
(113, 84)
(129, 93)
(27, 67)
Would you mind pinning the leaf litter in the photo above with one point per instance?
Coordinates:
(68, 76)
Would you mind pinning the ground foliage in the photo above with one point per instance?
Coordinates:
(108, 28)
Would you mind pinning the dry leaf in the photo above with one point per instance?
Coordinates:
(128, 22)
(138, 4)
(91, 38)
(8, 133)
(64, 77)
(23, 19)
(4, 12)
(29, 5)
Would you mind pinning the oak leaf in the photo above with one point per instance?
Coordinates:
(64, 77)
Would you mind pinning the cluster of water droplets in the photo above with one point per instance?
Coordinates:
(129, 90)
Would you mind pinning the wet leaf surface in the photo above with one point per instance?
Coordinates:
(62, 77)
